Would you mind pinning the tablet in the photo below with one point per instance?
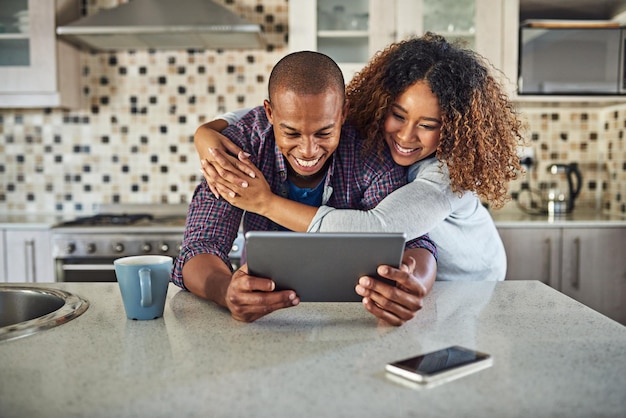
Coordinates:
(321, 267)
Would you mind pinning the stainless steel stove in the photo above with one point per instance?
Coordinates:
(84, 248)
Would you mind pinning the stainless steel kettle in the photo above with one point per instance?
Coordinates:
(563, 187)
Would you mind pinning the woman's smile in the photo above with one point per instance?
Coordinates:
(405, 151)
(415, 121)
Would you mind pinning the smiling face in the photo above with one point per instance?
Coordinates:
(307, 128)
(413, 125)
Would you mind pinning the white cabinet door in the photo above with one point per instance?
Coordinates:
(29, 256)
(36, 70)
(338, 29)
(533, 254)
(594, 269)
(349, 31)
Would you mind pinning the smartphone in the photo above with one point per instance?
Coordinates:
(441, 365)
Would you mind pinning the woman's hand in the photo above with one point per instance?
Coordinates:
(400, 303)
(238, 181)
(208, 137)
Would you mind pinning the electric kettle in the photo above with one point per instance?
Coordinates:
(563, 187)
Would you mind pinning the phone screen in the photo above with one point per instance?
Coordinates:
(440, 363)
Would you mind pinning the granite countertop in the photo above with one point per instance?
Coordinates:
(552, 357)
(510, 216)
(32, 220)
(507, 217)
(514, 217)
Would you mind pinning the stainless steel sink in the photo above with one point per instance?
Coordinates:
(25, 310)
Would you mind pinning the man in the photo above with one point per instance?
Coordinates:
(294, 140)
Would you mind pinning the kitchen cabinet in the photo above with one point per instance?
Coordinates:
(594, 269)
(3, 262)
(351, 31)
(36, 69)
(533, 254)
(28, 255)
(585, 263)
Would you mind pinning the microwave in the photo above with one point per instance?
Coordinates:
(562, 59)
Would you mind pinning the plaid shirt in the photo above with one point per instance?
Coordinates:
(353, 181)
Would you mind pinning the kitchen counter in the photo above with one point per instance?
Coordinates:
(509, 216)
(48, 220)
(514, 217)
(31, 220)
(552, 357)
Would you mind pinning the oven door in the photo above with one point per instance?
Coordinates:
(85, 270)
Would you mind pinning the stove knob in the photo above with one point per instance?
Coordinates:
(146, 247)
(70, 247)
(118, 248)
(91, 248)
(165, 247)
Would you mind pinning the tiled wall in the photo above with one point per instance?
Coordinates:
(591, 136)
(613, 156)
(131, 141)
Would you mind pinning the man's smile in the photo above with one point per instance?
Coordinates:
(307, 163)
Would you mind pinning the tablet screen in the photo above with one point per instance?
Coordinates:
(321, 267)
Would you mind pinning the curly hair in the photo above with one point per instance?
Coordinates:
(481, 129)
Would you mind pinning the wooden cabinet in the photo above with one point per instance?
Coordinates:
(585, 263)
(37, 70)
(351, 31)
(28, 256)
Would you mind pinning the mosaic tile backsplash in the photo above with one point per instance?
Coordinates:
(592, 137)
(132, 139)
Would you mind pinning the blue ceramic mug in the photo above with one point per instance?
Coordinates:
(143, 282)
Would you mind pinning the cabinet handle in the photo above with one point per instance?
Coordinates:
(548, 262)
(29, 250)
(575, 280)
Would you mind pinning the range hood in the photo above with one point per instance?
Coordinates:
(163, 24)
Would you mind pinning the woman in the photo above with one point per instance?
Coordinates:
(445, 117)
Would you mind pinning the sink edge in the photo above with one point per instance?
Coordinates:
(73, 307)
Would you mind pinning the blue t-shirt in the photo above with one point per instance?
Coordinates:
(311, 197)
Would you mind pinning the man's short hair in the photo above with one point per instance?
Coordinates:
(306, 72)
